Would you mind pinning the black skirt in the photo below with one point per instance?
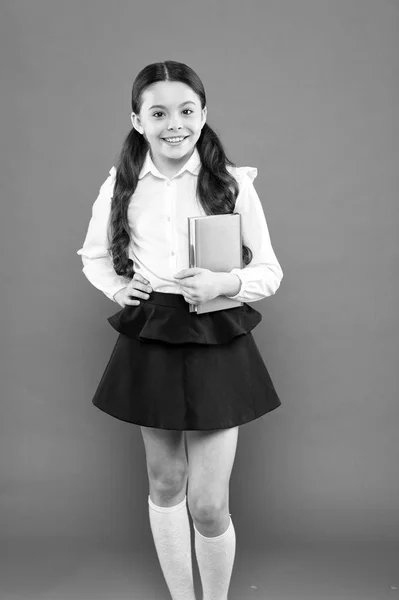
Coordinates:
(172, 369)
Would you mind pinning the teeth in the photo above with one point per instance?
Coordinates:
(175, 139)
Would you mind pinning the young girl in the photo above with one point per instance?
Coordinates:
(188, 380)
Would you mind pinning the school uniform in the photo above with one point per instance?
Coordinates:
(169, 368)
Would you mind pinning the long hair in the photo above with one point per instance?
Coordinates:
(217, 189)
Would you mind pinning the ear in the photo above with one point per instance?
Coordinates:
(204, 115)
(136, 122)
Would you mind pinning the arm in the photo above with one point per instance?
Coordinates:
(230, 284)
(97, 262)
(263, 275)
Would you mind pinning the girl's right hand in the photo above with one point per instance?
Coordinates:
(137, 287)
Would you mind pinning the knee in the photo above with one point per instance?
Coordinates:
(168, 482)
(207, 508)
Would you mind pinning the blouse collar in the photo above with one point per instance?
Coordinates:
(193, 165)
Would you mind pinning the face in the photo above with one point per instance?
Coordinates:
(170, 109)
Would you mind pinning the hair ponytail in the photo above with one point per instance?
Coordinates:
(129, 164)
(217, 188)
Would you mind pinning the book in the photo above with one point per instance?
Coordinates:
(215, 243)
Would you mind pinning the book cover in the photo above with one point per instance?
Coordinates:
(215, 243)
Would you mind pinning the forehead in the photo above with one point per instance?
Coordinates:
(168, 93)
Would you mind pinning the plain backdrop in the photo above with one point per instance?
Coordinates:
(307, 92)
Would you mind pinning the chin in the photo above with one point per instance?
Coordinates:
(182, 151)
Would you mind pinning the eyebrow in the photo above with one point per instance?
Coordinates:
(161, 106)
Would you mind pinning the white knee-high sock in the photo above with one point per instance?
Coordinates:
(172, 537)
(215, 558)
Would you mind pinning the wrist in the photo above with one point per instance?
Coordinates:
(118, 295)
(229, 284)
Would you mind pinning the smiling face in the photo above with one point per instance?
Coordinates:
(170, 109)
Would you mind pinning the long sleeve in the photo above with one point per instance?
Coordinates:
(97, 262)
(263, 275)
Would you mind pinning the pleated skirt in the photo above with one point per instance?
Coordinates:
(172, 369)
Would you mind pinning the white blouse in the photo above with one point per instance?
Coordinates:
(157, 215)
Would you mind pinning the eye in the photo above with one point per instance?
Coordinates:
(159, 112)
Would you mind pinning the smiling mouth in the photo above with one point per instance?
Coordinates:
(175, 140)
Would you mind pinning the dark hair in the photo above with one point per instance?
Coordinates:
(217, 189)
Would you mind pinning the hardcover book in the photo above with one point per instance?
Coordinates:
(215, 243)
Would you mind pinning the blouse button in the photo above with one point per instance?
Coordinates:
(172, 253)
(168, 218)
(168, 183)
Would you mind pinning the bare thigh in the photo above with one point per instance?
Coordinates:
(211, 457)
(167, 466)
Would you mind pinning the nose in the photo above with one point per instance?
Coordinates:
(174, 124)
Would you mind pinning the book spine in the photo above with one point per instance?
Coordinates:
(192, 256)
(240, 227)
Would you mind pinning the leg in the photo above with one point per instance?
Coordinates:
(211, 457)
(166, 465)
(210, 461)
(167, 473)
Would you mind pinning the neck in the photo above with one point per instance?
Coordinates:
(169, 167)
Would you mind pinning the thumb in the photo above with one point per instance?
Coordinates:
(190, 272)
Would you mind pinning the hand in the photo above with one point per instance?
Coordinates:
(198, 285)
(137, 287)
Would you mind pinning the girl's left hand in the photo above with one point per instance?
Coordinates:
(198, 285)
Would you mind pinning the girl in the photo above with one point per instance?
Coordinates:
(189, 381)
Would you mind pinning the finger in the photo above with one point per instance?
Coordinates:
(138, 285)
(189, 298)
(132, 301)
(138, 277)
(186, 284)
(138, 294)
(190, 272)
